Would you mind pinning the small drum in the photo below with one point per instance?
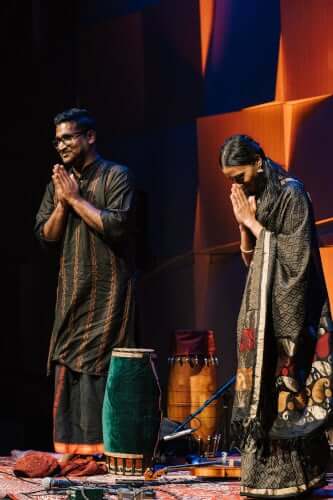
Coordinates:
(192, 380)
(131, 411)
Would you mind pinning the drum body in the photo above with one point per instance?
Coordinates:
(192, 380)
(131, 411)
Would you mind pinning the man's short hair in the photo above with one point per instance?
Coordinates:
(80, 116)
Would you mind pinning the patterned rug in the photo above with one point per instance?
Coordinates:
(174, 486)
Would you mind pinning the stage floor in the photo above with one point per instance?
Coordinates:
(174, 486)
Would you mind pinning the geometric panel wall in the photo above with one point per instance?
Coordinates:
(296, 134)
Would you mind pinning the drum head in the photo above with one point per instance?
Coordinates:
(132, 352)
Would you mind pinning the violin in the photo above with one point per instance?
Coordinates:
(216, 471)
(211, 468)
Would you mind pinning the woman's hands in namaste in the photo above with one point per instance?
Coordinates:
(244, 208)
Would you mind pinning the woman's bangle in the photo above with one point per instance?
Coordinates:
(246, 251)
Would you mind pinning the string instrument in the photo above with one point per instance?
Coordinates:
(216, 471)
(212, 468)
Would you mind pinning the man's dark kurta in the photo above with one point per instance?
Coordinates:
(95, 300)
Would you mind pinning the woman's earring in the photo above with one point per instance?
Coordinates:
(260, 169)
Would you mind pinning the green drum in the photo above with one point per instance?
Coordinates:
(131, 411)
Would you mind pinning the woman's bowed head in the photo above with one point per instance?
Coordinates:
(243, 161)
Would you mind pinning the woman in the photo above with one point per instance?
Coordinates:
(283, 394)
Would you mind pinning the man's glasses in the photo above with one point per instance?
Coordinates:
(66, 139)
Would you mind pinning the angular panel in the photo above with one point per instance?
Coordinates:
(240, 56)
(307, 44)
(207, 10)
(310, 150)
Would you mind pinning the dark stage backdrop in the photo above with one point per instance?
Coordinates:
(168, 81)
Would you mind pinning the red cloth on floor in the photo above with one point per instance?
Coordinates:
(36, 464)
(78, 466)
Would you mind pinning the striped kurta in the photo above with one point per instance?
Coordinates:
(95, 304)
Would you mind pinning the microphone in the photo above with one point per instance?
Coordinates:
(176, 435)
(49, 483)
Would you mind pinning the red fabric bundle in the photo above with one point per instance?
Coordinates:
(36, 464)
(78, 466)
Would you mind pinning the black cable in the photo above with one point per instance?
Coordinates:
(28, 493)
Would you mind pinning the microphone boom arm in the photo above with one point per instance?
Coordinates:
(221, 390)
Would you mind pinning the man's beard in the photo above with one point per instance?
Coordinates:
(77, 162)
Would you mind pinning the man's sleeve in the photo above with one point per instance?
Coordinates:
(45, 210)
(118, 214)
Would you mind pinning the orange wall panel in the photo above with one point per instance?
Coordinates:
(207, 10)
(296, 116)
(307, 45)
(280, 74)
(327, 260)
(310, 149)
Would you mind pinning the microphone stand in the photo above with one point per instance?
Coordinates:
(221, 390)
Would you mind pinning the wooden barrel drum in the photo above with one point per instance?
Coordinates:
(192, 380)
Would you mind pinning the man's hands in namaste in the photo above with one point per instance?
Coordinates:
(66, 187)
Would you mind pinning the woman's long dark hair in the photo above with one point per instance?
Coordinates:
(240, 150)
(243, 150)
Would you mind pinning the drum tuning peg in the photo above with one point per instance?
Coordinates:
(214, 444)
(209, 438)
(199, 445)
(218, 439)
(196, 360)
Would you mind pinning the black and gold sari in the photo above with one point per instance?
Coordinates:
(283, 398)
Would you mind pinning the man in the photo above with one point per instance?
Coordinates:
(87, 211)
